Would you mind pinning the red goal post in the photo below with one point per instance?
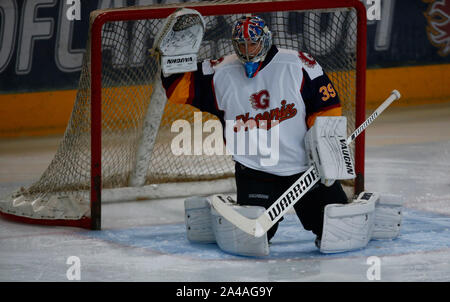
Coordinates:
(92, 93)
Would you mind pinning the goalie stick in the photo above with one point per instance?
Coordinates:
(259, 226)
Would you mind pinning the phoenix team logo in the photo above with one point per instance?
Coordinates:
(438, 28)
(260, 100)
(266, 119)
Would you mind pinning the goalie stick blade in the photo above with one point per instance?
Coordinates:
(221, 205)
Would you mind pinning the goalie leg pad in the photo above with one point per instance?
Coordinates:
(347, 227)
(197, 216)
(388, 216)
(235, 241)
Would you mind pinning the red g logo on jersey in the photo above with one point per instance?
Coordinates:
(260, 100)
(307, 59)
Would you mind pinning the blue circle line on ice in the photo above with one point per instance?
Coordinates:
(420, 232)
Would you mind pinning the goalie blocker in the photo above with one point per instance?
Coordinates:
(327, 150)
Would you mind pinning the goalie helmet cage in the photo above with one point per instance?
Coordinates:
(99, 147)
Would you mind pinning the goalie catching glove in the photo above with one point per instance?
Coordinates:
(327, 150)
(178, 41)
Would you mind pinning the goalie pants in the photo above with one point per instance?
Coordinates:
(259, 188)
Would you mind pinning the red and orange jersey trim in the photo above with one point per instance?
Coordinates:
(333, 110)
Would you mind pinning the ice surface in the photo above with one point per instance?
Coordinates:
(407, 153)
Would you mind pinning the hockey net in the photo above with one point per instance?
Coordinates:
(97, 156)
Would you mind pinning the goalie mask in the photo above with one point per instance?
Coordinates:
(251, 40)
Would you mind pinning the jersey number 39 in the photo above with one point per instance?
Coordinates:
(327, 92)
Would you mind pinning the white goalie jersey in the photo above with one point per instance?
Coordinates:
(264, 122)
(265, 129)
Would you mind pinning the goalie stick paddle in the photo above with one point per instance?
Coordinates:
(259, 226)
